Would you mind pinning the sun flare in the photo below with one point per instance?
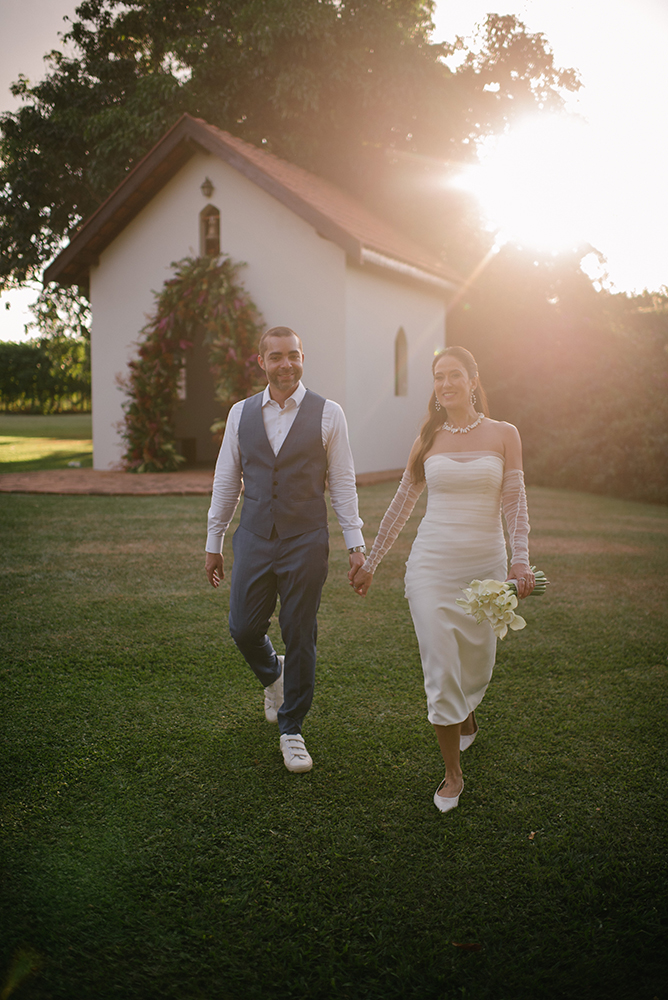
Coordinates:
(534, 184)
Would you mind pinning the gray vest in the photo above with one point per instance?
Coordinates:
(285, 491)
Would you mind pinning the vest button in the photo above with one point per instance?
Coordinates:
(275, 482)
(274, 496)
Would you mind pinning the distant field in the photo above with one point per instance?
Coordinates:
(29, 443)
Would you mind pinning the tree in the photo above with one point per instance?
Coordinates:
(351, 89)
(49, 375)
(60, 312)
(51, 371)
(583, 374)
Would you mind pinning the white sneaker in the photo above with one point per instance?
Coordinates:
(273, 696)
(296, 756)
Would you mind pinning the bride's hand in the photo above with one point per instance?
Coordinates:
(360, 581)
(523, 577)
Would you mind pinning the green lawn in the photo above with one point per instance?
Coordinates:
(154, 846)
(29, 443)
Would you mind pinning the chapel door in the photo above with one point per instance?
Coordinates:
(197, 408)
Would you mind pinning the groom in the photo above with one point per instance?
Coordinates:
(281, 445)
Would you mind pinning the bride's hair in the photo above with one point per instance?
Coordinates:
(435, 418)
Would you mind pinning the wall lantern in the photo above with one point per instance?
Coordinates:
(207, 188)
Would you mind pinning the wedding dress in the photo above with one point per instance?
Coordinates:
(459, 539)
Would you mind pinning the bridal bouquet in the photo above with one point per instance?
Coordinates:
(495, 602)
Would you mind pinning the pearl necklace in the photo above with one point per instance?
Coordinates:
(463, 430)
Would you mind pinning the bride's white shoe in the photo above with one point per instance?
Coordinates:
(466, 741)
(445, 804)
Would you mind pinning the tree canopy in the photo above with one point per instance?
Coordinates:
(582, 374)
(46, 375)
(353, 90)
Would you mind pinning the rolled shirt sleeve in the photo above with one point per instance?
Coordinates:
(227, 483)
(341, 473)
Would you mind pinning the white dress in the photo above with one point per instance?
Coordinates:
(459, 539)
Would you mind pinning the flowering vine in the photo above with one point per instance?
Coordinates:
(205, 294)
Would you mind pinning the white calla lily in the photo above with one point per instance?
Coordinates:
(494, 601)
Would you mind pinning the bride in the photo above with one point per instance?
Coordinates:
(472, 466)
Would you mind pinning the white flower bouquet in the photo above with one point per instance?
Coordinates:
(495, 602)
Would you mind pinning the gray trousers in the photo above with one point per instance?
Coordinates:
(294, 569)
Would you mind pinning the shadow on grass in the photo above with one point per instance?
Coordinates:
(34, 443)
(59, 426)
(59, 458)
(167, 849)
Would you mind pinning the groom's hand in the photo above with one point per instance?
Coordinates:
(214, 568)
(356, 560)
(360, 581)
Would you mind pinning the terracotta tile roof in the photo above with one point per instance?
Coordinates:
(334, 214)
(364, 226)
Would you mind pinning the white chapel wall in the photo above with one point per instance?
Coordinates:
(121, 285)
(382, 425)
(295, 277)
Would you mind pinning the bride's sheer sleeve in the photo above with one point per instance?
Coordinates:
(394, 519)
(516, 514)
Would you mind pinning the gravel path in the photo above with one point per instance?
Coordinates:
(194, 482)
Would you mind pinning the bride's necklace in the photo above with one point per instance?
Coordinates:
(463, 430)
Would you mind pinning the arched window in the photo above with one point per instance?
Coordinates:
(209, 231)
(400, 363)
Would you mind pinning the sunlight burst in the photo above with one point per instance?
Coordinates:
(534, 184)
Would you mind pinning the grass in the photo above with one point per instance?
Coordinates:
(29, 443)
(155, 847)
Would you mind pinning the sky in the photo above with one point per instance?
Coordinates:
(604, 166)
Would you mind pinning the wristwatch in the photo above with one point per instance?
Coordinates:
(357, 548)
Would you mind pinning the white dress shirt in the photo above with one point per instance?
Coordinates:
(228, 479)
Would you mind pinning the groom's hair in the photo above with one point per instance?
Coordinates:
(277, 331)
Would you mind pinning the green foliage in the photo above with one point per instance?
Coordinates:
(205, 294)
(333, 85)
(60, 312)
(583, 374)
(501, 46)
(49, 375)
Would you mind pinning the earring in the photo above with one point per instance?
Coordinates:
(473, 397)
(437, 405)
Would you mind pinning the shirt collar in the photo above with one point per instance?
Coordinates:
(297, 396)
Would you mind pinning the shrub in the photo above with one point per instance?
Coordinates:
(204, 294)
(582, 373)
(49, 375)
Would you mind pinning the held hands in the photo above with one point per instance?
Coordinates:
(523, 577)
(215, 572)
(214, 568)
(360, 580)
(356, 560)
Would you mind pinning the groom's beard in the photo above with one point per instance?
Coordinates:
(286, 381)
